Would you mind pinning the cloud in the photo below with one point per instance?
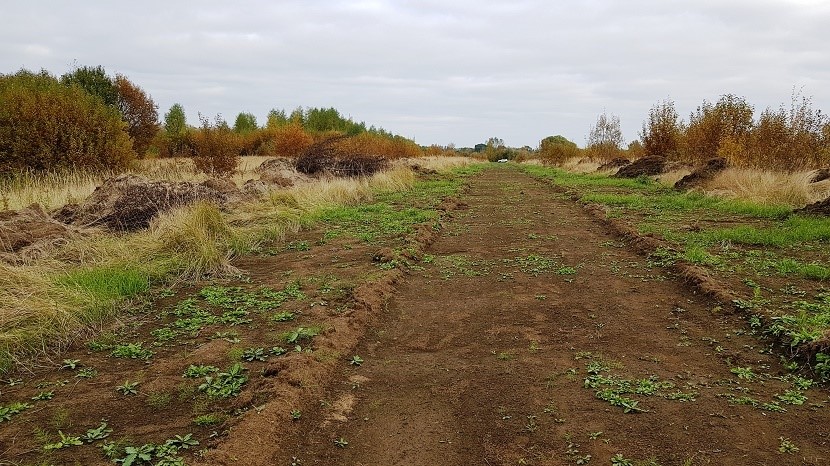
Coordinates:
(438, 71)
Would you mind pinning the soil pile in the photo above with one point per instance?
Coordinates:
(129, 202)
(281, 172)
(820, 175)
(646, 166)
(27, 228)
(702, 174)
(821, 208)
(613, 163)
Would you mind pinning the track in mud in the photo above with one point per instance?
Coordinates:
(527, 337)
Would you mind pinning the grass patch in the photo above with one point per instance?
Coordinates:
(793, 231)
(107, 284)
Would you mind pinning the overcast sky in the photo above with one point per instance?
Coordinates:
(439, 72)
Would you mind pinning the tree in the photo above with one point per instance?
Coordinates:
(276, 118)
(605, 140)
(663, 131)
(45, 124)
(139, 112)
(216, 147)
(95, 81)
(175, 127)
(245, 123)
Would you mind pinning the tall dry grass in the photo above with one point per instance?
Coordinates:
(768, 187)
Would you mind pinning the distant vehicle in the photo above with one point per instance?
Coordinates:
(502, 160)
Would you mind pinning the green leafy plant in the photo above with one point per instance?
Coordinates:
(254, 354)
(98, 433)
(70, 364)
(195, 371)
(128, 388)
(744, 373)
(787, 446)
(64, 442)
(9, 411)
(300, 334)
(620, 460)
(131, 351)
(225, 384)
(209, 419)
(86, 373)
(283, 316)
(43, 396)
(341, 442)
(295, 414)
(356, 360)
(792, 397)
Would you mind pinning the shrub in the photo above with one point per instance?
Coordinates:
(176, 132)
(45, 124)
(290, 140)
(711, 125)
(335, 155)
(216, 148)
(139, 112)
(557, 149)
(663, 131)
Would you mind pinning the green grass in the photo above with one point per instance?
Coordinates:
(368, 222)
(685, 202)
(793, 231)
(107, 284)
(575, 180)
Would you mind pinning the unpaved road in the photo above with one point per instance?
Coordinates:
(481, 357)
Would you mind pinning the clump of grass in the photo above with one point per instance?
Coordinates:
(766, 186)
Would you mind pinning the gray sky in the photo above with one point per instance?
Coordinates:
(437, 71)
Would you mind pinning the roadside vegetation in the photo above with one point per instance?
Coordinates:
(774, 260)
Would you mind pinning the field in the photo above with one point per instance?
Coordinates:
(495, 314)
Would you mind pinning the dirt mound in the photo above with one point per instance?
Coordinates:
(820, 175)
(613, 163)
(20, 229)
(821, 208)
(646, 166)
(281, 172)
(129, 202)
(702, 174)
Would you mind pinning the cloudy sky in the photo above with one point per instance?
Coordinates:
(439, 72)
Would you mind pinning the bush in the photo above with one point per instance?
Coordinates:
(663, 131)
(289, 140)
(216, 148)
(555, 150)
(45, 124)
(336, 156)
(730, 119)
(176, 133)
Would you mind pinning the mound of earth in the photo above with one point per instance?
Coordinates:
(702, 174)
(820, 175)
(613, 163)
(129, 202)
(821, 208)
(646, 166)
(281, 172)
(27, 228)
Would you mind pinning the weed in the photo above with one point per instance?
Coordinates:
(98, 433)
(159, 400)
(209, 419)
(300, 334)
(277, 351)
(744, 373)
(786, 446)
(70, 364)
(619, 460)
(283, 316)
(128, 388)
(86, 373)
(341, 442)
(792, 397)
(254, 354)
(296, 414)
(356, 360)
(9, 411)
(196, 371)
(44, 396)
(131, 351)
(64, 442)
(225, 384)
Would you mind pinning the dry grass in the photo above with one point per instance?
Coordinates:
(53, 190)
(441, 163)
(768, 187)
(580, 165)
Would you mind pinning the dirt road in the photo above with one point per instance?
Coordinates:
(526, 338)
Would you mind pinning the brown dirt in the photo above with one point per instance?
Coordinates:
(646, 166)
(129, 202)
(475, 361)
(702, 174)
(23, 231)
(820, 175)
(820, 208)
